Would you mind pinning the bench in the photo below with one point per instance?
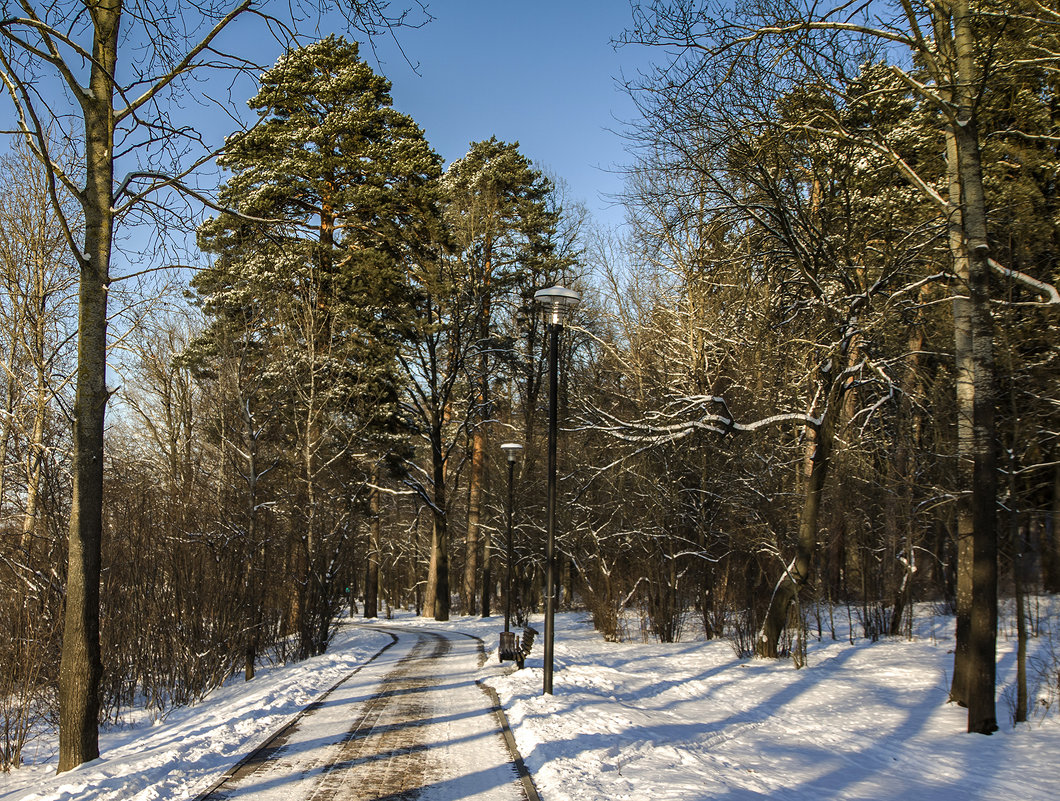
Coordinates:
(512, 650)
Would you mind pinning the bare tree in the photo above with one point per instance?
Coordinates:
(37, 317)
(947, 47)
(434, 365)
(54, 53)
(36, 324)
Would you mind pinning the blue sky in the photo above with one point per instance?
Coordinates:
(541, 73)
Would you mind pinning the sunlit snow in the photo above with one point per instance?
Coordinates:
(643, 720)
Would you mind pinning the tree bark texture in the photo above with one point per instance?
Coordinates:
(487, 572)
(905, 469)
(476, 477)
(255, 576)
(371, 578)
(437, 600)
(982, 631)
(797, 574)
(965, 397)
(31, 522)
(81, 664)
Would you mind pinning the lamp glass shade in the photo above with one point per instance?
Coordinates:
(511, 450)
(556, 302)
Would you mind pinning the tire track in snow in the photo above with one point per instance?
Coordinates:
(424, 728)
(270, 750)
(382, 756)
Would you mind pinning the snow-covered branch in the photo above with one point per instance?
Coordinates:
(1046, 291)
(693, 417)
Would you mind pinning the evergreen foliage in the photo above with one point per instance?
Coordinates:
(333, 195)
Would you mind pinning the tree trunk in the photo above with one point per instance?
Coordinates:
(371, 578)
(904, 470)
(310, 543)
(254, 583)
(436, 604)
(474, 513)
(31, 528)
(1049, 540)
(81, 665)
(1017, 541)
(487, 572)
(480, 416)
(798, 572)
(965, 395)
(982, 631)
(9, 417)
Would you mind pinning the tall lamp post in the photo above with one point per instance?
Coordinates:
(555, 304)
(511, 450)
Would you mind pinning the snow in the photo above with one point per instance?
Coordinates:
(435, 736)
(179, 756)
(643, 720)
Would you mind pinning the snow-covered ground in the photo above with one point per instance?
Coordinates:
(643, 721)
(184, 753)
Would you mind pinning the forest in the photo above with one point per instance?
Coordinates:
(814, 375)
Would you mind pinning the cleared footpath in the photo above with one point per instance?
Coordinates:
(409, 724)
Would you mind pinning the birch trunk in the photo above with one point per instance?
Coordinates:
(982, 630)
(31, 529)
(965, 397)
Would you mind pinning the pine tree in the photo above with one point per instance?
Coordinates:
(501, 227)
(334, 192)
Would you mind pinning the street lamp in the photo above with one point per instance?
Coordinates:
(511, 450)
(555, 303)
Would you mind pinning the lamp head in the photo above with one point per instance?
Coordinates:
(556, 303)
(511, 450)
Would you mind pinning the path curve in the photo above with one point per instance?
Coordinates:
(410, 723)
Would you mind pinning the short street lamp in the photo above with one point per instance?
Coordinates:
(555, 304)
(511, 450)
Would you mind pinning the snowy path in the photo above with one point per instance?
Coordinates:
(411, 724)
